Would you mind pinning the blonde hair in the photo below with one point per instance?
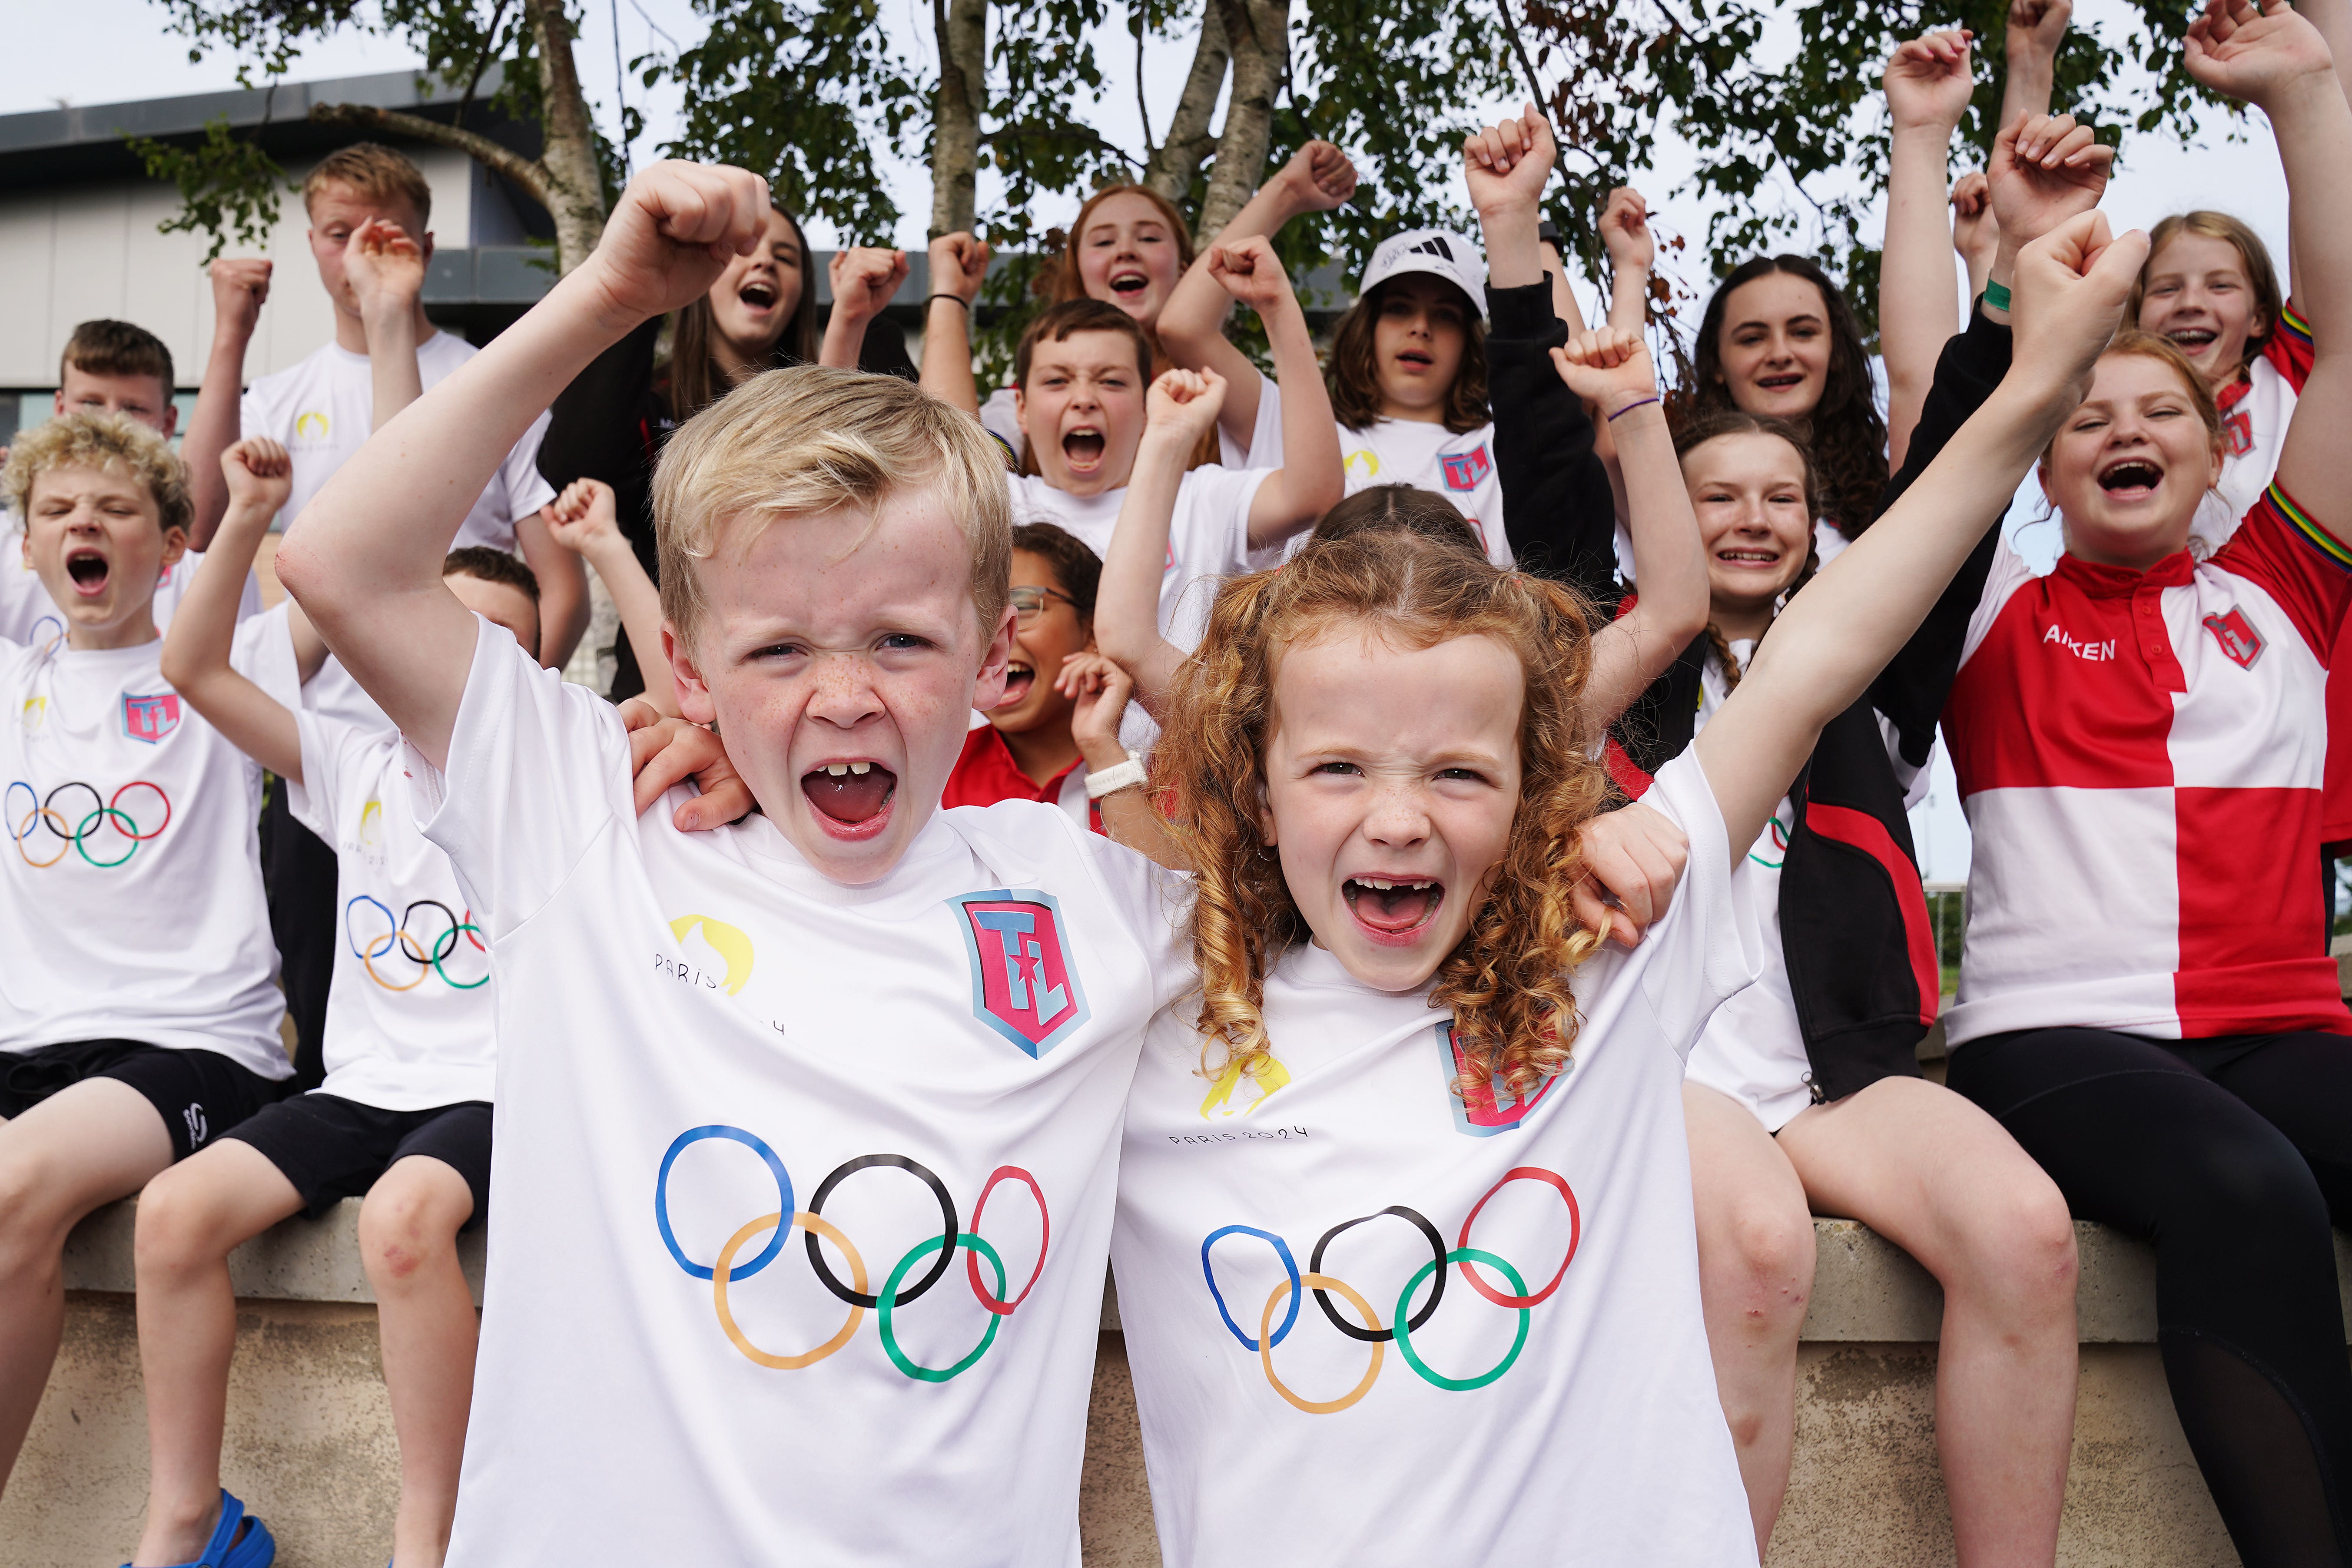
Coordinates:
(2270, 302)
(1507, 982)
(806, 439)
(375, 172)
(100, 441)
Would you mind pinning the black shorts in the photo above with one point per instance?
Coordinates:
(332, 1148)
(199, 1094)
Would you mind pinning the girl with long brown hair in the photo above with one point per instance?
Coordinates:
(1404, 1218)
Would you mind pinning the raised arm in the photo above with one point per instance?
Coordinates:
(257, 478)
(1310, 481)
(386, 271)
(863, 280)
(1179, 408)
(584, 523)
(1612, 371)
(2279, 61)
(240, 287)
(1928, 80)
(366, 564)
(1633, 253)
(1319, 178)
(1558, 510)
(1832, 638)
(2029, 46)
(959, 266)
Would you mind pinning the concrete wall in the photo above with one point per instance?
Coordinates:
(309, 1441)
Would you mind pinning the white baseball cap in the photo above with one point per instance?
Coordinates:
(1450, 255)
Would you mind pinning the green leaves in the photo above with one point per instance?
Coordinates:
(227, 185)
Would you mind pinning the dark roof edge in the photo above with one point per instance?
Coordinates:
(107, 122)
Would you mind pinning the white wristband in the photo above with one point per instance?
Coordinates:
(1118, 777)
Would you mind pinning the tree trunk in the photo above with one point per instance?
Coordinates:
(1178, 163)
(1258, 31)
(575, 183)
(962, 28)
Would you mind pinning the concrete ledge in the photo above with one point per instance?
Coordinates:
(300, 1260)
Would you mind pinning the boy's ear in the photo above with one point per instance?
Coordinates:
(694, 703)
(987, 689)
(176, 545)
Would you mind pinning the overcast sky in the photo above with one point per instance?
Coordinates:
(104, 51)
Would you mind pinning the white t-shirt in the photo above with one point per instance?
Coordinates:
(1425, 456)
(134, 906)
(409, 1019)
(1208, 535)
(1000, 417)
(1582, 1428)
(1752, 1048)
(24, 604)
(321, 410)
(701, 1038)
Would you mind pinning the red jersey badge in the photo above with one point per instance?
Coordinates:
(1490, 1108)
(2237, 636)
(149, 718)
(1467, 470)
(1022, 983)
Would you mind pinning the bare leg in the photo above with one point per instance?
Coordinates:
(190, 1218)
(87, 1145)
(1756, 1274)
(1940, 1179)
(408, 1240)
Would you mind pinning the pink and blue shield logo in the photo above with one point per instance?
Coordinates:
(1023, 985)
(149, 718)
(1467, 470)
(1490, 1108)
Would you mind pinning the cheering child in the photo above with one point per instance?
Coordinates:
(138, 1020)
(585, 521)
(404, 1117)
(1412, 1179)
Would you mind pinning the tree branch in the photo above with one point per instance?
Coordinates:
(530, 175)
(963, 29)
(1178, 163)
(1258, 32)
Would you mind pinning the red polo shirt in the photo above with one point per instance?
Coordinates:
(987, 774)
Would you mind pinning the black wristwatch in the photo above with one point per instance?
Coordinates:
(1547, 232)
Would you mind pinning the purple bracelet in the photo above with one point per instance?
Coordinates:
(1631, 407)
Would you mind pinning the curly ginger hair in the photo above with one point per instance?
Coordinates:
(1507, 982)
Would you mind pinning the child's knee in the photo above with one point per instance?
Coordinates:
(1769, 1258)
(177, 1224)
(406, 1224)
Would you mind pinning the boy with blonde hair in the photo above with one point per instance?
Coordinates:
(137, 1017)
(106, 367)
(905, 1034)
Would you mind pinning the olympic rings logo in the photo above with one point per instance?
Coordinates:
(107, 821)
(1407, 1318)
(729, 1268)
(430, 954)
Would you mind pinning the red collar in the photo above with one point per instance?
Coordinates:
(2102, 582)
(986, 772)
(2230, 396)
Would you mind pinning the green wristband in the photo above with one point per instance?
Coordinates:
(1996, 295)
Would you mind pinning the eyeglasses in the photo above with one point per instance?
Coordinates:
(1029, 603)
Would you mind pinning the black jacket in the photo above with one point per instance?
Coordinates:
(1861, 956)
(1559, 512)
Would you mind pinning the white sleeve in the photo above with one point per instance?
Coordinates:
(527, 489)
(262, 650)
(255, 416)
(1209, 534)
(538, 769)
(1265, 436)
(328, 747)
(998, 417)
(1707, 947)
(2009, 572)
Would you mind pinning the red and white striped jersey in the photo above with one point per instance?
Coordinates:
(2141, 757)
(2255, 413)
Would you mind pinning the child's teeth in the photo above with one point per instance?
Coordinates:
(861, 767)
(838, 770)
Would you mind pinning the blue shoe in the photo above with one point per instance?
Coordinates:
(250, 1546)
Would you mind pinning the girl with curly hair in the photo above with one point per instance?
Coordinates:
(1419, 1089)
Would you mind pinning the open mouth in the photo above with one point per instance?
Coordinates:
(1392, 909)
(2190, 339)
(2131, 478)
(1128, 287)
(852, 800)
(1414, 360)
(1781, 383)
(1739, 555)
(758, 295)
(1019, 679)
(88, 571)
(1084, 448)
